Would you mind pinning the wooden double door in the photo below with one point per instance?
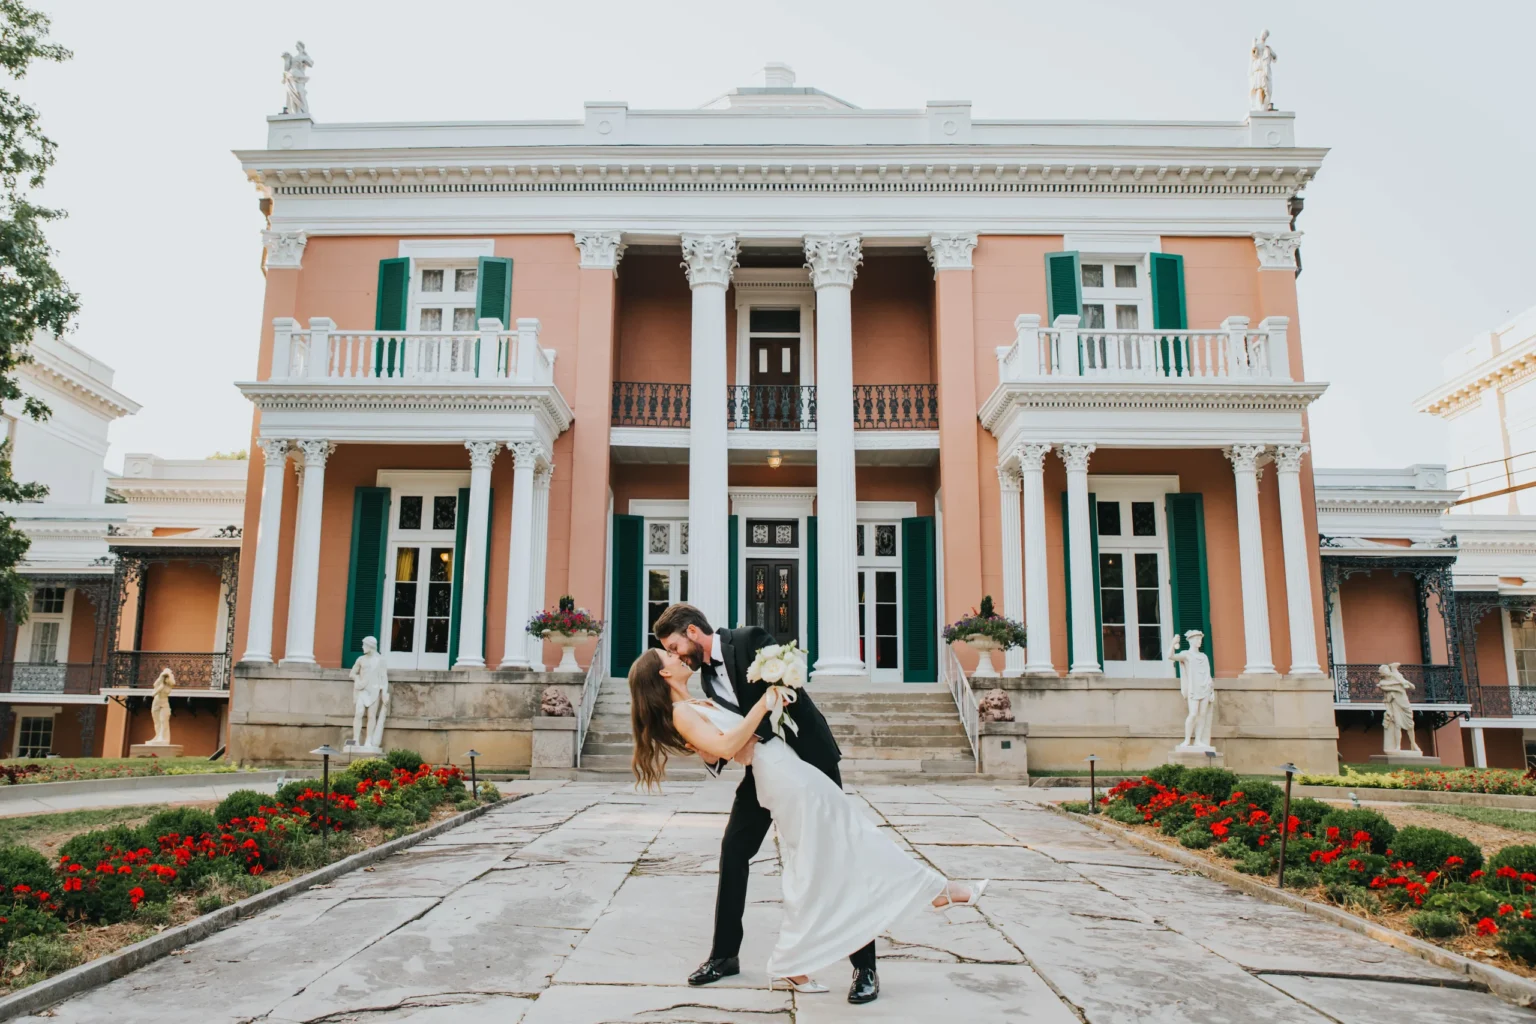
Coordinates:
(773, 598)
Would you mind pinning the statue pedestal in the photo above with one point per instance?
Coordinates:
(361, 750)
(554, 747)
(155, 750)
(1405, 759)
(1003, 750)
(1197, 757)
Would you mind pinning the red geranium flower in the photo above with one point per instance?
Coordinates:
(1487, 927)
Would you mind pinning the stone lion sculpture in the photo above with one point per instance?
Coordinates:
(555, 704)
(996, 707)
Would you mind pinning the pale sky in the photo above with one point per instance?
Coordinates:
(1417, 229)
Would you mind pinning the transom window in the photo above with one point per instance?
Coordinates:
(771, 533)
(443, 298)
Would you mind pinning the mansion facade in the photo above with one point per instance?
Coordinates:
(839, 373)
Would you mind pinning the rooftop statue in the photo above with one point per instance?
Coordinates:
(1261, 74)
(296, 67)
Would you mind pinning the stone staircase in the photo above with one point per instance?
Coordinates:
(889, 734)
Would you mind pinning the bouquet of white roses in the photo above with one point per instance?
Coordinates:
(783, 668)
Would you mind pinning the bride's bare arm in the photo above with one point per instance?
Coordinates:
(710, 741)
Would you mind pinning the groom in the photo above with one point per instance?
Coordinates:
(722, 659)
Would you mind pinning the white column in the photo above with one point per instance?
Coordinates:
(834, 262)
(709, 260)
(1037, 594)
(1250, 561)
(305, 586)
(536, 580)
(472, 601)
(1479, 750)
(525, 458)
(1298, 572)
(1085, 640)
(258, 633)
(1013, 560)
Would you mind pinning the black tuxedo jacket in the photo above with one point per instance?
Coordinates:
(814, 742)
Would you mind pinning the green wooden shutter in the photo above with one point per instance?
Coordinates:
(920, 600)
(1063, 286)
(1066, 563)
(390, 313)
(812, 592)
(460, 531)
(1169, 311)
(1187, 578)
(494, 291)
(732, 573)
(365, 578)
(627, 631)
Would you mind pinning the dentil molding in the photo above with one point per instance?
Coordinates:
(285, 249)
(833, 259)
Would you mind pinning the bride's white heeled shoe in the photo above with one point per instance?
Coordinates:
(810, 986)
(977, 891)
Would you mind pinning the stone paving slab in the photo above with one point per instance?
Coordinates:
(589, 903)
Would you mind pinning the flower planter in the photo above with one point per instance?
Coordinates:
(567, 642)
(983, 646)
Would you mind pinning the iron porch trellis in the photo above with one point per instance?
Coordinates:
(1432, 575)
(1499, 701)
(132, 565)
(98, 587)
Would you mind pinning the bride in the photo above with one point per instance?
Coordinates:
(844, 883)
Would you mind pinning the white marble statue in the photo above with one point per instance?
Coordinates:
(296, 67)
(1397, 720)
(1198, 690)
(1261, 74)
(160, 708)
(370, 697)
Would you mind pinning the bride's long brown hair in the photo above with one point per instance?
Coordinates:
(650, 711)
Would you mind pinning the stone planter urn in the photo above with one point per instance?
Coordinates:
(567, 642)
(983, 646)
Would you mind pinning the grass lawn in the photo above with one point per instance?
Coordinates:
(45, 831)
(1500, 817)
(70, 769)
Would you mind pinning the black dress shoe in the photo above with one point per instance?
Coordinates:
(866, 986)
(711, 971)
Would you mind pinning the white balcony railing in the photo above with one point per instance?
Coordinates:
(488, 355)
(1067, 349)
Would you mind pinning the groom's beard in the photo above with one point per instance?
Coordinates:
(693, 657)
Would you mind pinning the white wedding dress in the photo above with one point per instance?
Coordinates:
(844, 882)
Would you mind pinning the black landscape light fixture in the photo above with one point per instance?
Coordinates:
(326, 753)
(1093, 784)
(474, 786)
(1285, 818)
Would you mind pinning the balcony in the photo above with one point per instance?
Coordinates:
(408, 386)
(1432, 684)
(895, 424)
(1133, 388)
(137, 670)
(1504, 702)
(56, 678)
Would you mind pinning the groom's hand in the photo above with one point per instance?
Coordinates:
(744, 755)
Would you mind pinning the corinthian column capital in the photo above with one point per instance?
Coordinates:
(315, 453)
(1031, 456)
(1009, 479)
(833, 260)
(709, 259)
(274, 449)
(1075, 455)
(600, 250)
(482, 453)
(951, 251)
(1288, 457)
(1245, 457)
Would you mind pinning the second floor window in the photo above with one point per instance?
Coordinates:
(47, 625)
(443, 298)
(1524, 634)
(1115, 295)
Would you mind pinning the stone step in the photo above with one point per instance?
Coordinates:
(897, 729)
(861, 753)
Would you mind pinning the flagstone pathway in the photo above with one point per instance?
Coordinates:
(590, 903)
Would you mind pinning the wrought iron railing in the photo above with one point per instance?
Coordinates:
(896, 406)
(50, 677)
(1503, 701)
(193, 670)
(644, 404)
(591, 686)
(1432, 684)
(952, 675)
(771, 407)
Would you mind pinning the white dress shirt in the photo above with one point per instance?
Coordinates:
(722, 677)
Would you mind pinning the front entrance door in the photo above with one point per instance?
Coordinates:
(775, 380)
(773, 598)
(418, 603)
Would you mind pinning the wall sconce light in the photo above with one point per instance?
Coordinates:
(775, 460)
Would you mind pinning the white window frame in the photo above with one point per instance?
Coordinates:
(23, 652)
(773, 503)
(1126, 489)
(774, 288)
(428, 484)
(446, 299)
(674, 515)
(26, 711)
(1110, 296)
(870, 563)
(1512, 651)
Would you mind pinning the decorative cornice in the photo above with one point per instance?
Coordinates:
(1277, 250)
(320, 397)
(951, 251)
(482, 454)
(600, 250)
(709, 259)
(1229, 396)
(69, 380)
(1464, 391)
(285, 249)
(833, 260)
